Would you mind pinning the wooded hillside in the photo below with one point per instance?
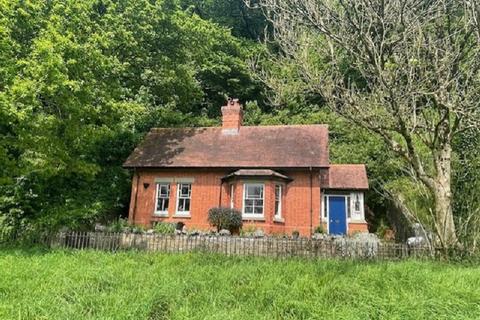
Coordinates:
(81, 82)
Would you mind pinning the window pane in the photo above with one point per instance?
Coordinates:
(164, 190)
(325, 207)
(186, 205)
(254, 191)
(276, 207)
(184, 195)
(357, 203)
(253, 202)
(180, 205)
(185, 190)
(349, 210)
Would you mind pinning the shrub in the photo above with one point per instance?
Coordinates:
(118, 225)
(248, 231)
(138, 229)
(319, 229)
(225, 218)
(164, 228)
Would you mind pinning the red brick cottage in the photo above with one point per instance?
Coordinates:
(279, 177)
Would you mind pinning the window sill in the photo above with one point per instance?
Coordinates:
(253, 218)
(279, 220)
(182, 215)
(357, 221)
(160, 214)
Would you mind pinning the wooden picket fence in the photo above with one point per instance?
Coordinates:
(233, 245)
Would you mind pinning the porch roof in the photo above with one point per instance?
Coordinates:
(256, 173)
(347, 177)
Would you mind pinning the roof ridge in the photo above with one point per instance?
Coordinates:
(323, 125)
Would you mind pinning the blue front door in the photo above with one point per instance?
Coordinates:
(337, 215)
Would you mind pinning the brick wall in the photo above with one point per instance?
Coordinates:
(300, 200)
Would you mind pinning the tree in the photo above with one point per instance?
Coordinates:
(82, 81)
(406, 70)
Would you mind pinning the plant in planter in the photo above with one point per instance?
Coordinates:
(225, 218)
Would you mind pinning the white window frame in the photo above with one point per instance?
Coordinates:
(184, 213)
(232, 196)
(253, 215)
(161, 212)
(278, 213)
(357, 215)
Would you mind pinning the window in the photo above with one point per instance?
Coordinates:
(278, 201)
(325, 207)
(184, 193)
(163, 196)
(357, 203)
(232, 195)
(253, 199)
(349, 208)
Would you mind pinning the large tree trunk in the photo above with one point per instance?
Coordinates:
(442, 193)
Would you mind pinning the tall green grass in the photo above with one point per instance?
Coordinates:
(96, 285)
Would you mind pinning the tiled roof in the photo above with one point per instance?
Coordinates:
(252, 147)
(347, 176)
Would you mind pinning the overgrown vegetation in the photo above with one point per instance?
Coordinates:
(82, 82)
(133, 285)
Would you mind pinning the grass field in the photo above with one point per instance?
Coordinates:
(37, 284)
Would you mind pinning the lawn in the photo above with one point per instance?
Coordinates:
(37, 284)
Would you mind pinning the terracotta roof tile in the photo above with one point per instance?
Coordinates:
(348, 176)
(252, 147)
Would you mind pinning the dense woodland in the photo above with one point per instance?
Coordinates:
(81, 82)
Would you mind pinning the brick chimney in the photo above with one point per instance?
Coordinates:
(232, 116)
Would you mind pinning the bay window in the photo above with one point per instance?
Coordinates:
(253, 200)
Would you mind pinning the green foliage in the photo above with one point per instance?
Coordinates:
(381, 229)
(102, 285)
(82, 82)
(164, 228)
(234, 14)
(319, 229)
(118, 225)
(248, 230)
(225, 218)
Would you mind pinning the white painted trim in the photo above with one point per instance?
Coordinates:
(325, 206)
(278, 217)
(357, 216)
(248, 216)
(354, 217)
(157, 185)
(232, 196)
(182, 214)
